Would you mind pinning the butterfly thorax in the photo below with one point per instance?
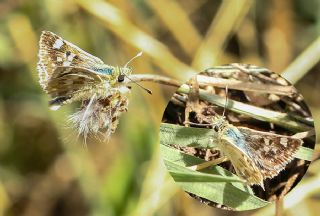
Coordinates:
(232, 144)
(113, 72)
(219, 123)
(228, 134)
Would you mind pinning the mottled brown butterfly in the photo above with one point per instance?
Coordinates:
(68, 74)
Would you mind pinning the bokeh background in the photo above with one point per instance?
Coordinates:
(45, 170)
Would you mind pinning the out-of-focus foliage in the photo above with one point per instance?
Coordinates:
(45, 170)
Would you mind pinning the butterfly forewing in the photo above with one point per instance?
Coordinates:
(272, 151)
(56, 52)
(255, 155)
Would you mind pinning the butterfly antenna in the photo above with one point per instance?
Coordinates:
(136, 56)
(126, 65)
(226, 102)
(147, 90)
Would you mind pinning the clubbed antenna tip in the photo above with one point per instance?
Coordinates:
(139, 54)
(136, 56)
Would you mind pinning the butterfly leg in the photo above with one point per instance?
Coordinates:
(209, 163)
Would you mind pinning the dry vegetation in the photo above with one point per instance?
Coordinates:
(43, 168)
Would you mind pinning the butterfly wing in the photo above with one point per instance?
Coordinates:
(233, 146)
(272, 152)
(67, 73)
(68, 84)
(56, 52)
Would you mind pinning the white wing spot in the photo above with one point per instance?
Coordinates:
(284, 141)
(66, 63)
(59, 59)
(55, 107)
(70, 57)
(58, 44)
(266, 141)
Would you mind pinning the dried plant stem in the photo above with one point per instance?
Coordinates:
(281, 119)
(303, 63)
(154, 78)
(226, 21)
(117, 22)
(246, 86)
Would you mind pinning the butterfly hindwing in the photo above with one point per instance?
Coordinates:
(68, 80)
(272, 151)
(69, 84)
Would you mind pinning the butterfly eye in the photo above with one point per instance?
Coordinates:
(121, 78)
(216, 128)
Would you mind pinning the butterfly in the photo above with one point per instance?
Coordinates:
(68, 73)
(255, 155)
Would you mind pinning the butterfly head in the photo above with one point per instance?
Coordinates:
(218, 123)
(123, 72)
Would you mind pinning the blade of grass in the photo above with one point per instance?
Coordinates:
(114, 20)
(234, 195)
(227, 20)
(157, 188)
(186, 136)
(183, 174)
(299, 194)
(178, 22)
(303, 63)
(280, 119)
(171, 134)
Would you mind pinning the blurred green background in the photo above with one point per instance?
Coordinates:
(44, 170)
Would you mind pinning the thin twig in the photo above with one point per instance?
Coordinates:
(154, 78)
(246, 86)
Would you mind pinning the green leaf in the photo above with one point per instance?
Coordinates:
(181, 173)
(213, 183)
(304, 153)
(225, 189)
(185, 136)
(171, 134)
